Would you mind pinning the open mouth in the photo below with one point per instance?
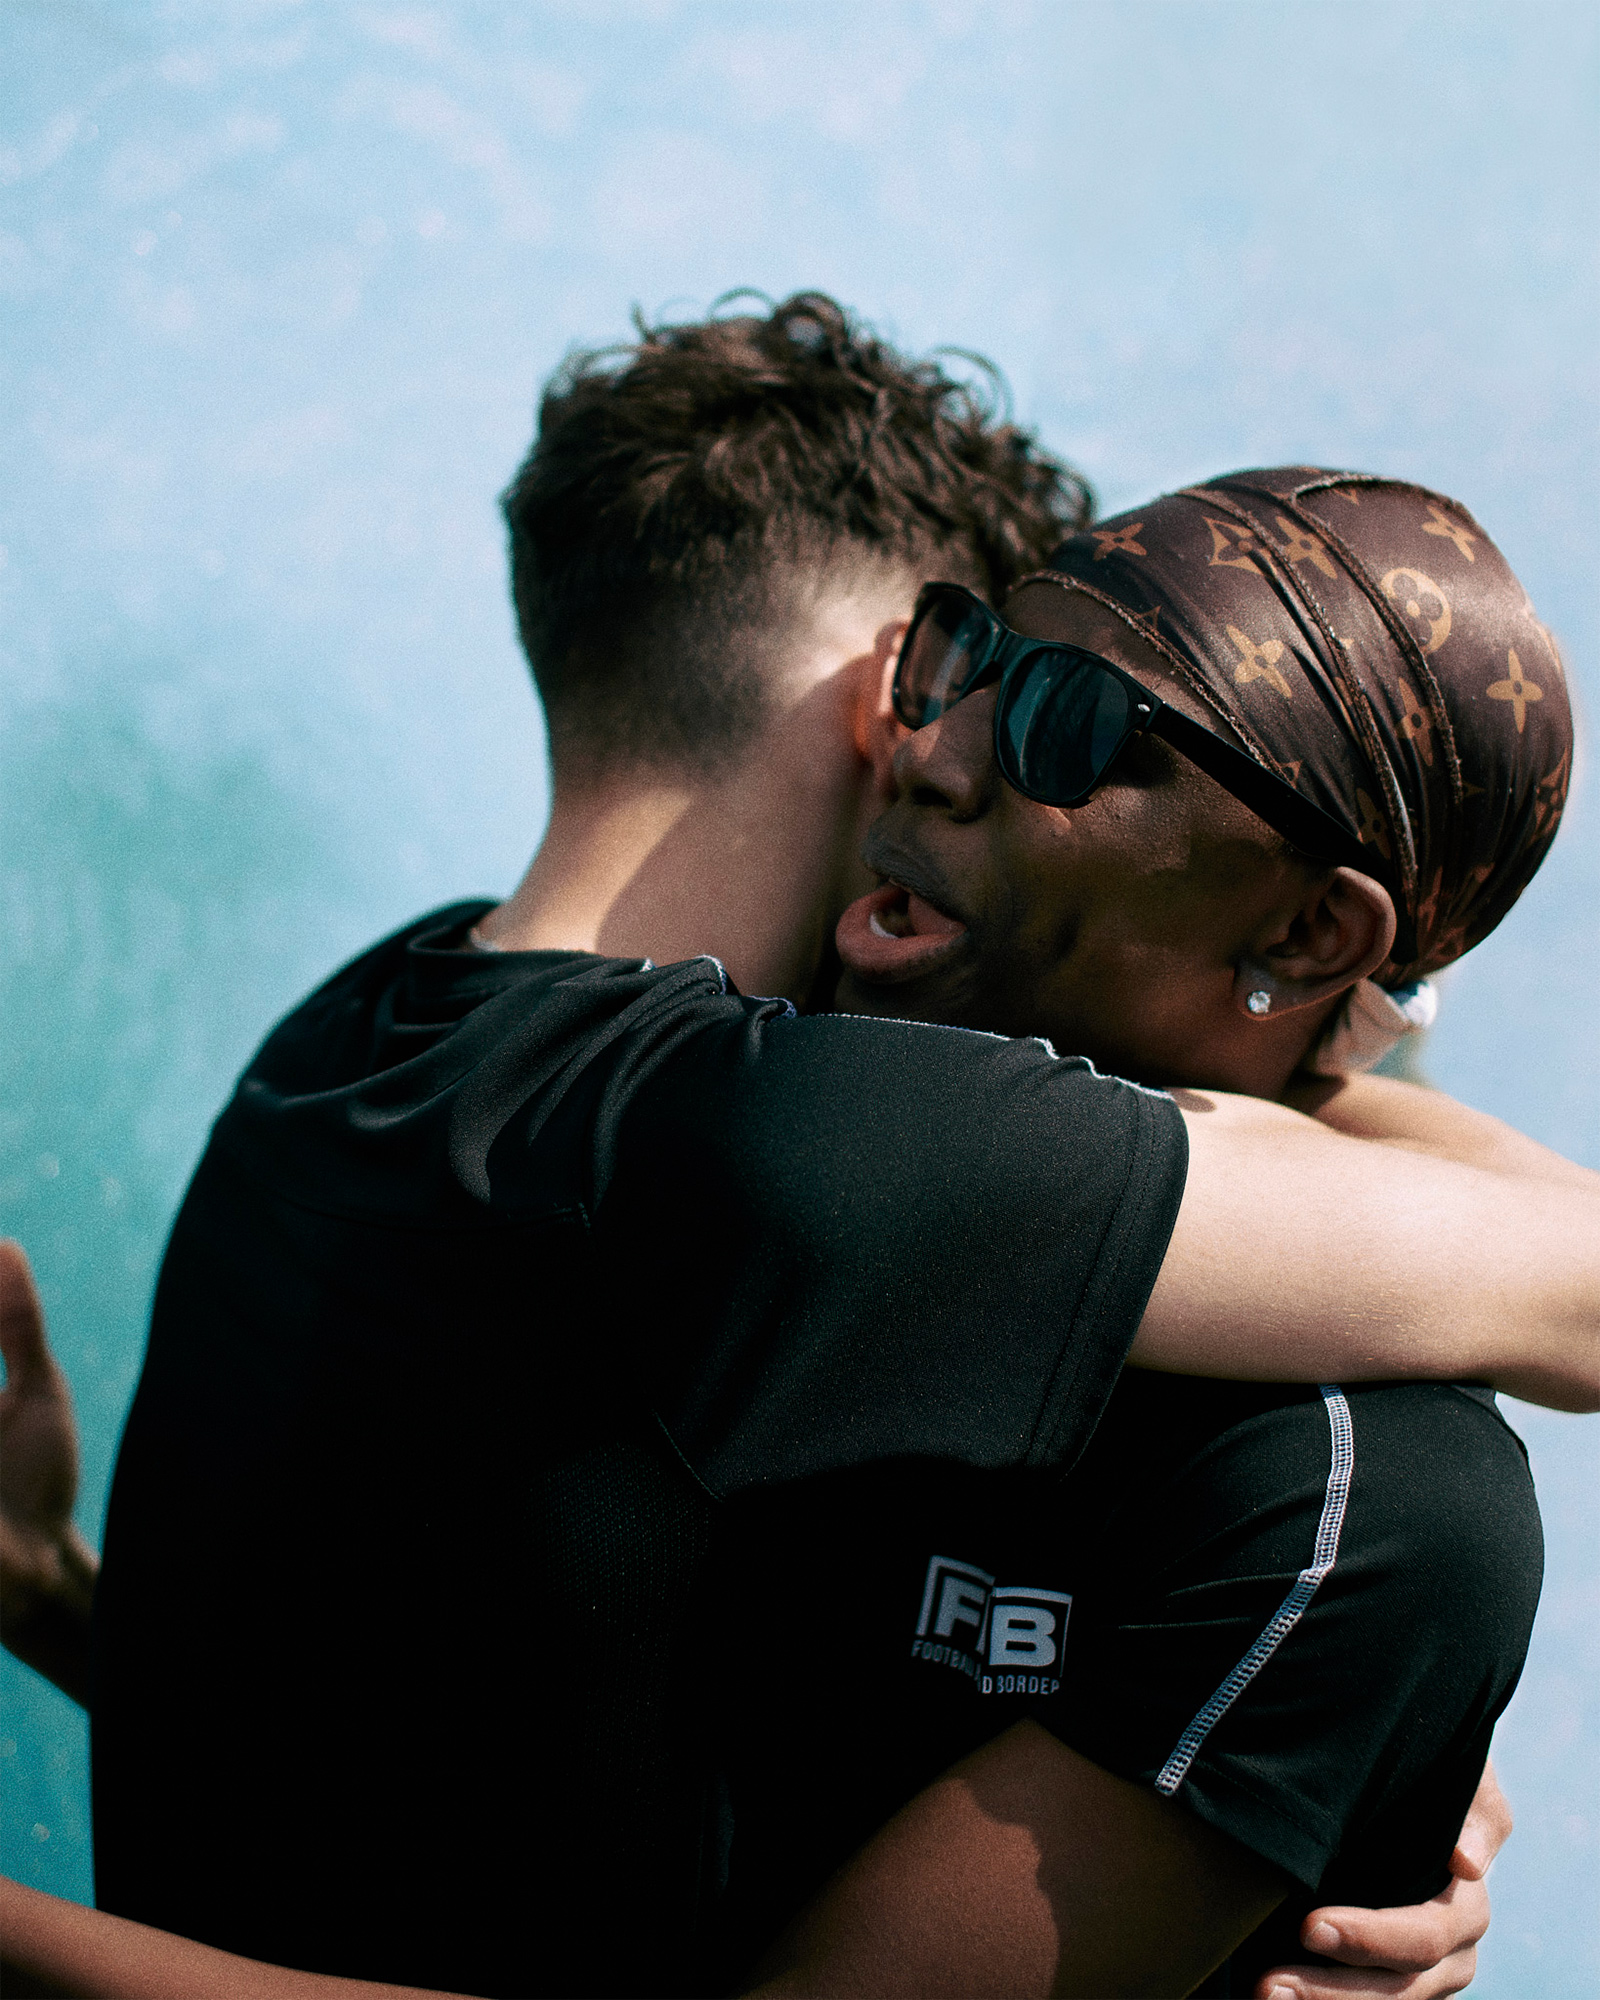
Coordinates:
(893, 933)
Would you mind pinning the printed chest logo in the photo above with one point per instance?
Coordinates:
(1005, 1638)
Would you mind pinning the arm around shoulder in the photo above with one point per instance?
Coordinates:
(1390, 1112)
(1303, 1254)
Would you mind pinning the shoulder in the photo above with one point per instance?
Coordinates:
(333, 1020)
(1420, 1491)
(424, 1080)
(945, 1239)
(1440, 1489)
(914, 1150)
(902, 1090)
(1428, 1528)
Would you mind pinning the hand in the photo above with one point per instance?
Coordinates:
(47, 1571)
(1411, 1954)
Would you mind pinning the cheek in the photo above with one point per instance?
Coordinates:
(1111, 866)
(1127, 920)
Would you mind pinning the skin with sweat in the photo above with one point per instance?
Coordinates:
(1131, 928)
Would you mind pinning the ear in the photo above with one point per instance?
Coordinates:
(1340, 934)
(879, 731)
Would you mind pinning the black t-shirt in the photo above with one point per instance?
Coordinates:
(505, 1288)
(1299, 1612)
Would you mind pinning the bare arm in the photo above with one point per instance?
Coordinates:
(1423, 1952)
(1302, 1254)
(48, 1946)
(1392, 1113)
(1027, 1871)
(1023, 1871)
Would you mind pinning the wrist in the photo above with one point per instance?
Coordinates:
(46, 1608)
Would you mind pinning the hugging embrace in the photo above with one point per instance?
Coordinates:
(852, 1392)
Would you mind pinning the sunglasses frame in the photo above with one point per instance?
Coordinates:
(1008, 654)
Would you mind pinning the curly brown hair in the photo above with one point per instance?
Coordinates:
(687, 495)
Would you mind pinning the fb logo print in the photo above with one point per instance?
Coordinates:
(1004, 1637)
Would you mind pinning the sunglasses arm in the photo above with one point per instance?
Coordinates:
(1269, 797)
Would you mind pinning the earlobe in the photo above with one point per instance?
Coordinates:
(1339, 936)
(1258, 992)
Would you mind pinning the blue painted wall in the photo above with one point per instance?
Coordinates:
(277, 286)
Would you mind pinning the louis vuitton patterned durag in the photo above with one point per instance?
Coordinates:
(1369, 643)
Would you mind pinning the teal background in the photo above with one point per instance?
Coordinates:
(277, 286)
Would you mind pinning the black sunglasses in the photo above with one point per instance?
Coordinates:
(1064, 715)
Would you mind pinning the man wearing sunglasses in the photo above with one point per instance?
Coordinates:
(1064, 714)
(1050, 865)
(523, 1268)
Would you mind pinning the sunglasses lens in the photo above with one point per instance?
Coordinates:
(1059, 726)
(938, 658)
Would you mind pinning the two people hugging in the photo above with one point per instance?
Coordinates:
(855, 1391)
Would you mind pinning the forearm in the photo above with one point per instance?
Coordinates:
(1026, 1871)
(48, 1946)
(1303, 1255)
(1391, 1113)
(45, 1620)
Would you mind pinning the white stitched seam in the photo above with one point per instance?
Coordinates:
(1287, 1616)
(722, 970)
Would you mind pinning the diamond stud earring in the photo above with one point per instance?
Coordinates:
(1260, 1002)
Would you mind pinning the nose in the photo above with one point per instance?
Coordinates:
(948, 764)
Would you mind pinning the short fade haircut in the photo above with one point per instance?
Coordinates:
(688, 497)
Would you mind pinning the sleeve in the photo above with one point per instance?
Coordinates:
(1317, 1621)
(855, 1240)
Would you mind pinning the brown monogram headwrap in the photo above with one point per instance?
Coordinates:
(1369, 643)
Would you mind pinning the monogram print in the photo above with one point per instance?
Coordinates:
(1354, 632)
(1372, 832)
(1448, 530)
(1231, 545)
(1417, 724)
(1259, 663)
(1425, 607)
(1118, 541)
(1516, 689)
(1298, 547)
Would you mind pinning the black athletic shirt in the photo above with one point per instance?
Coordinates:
(507, 1291)
(1300, 1612)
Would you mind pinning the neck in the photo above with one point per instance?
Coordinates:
(753, 863)
(582, 881)
(752, 868)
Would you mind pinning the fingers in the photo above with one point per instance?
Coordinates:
(1406, 1940)
(22, 1340)
(1486, 1830)
(1418, 1953)
(1336, 1982)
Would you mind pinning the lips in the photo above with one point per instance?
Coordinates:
(893, 934)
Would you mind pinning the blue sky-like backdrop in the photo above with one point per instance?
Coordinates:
(278, 285)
